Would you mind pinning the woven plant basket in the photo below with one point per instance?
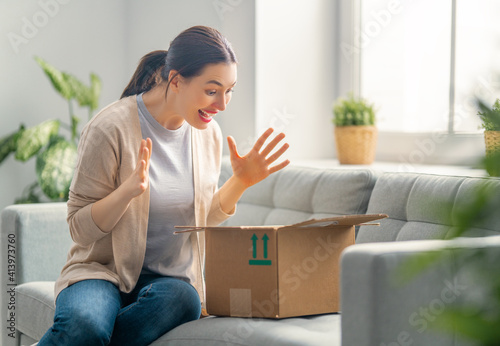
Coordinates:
(492, 141)
(356, 144)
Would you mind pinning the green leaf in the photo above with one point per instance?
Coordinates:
(29, 195)
(74, 126)
(490, 117)
(79, 90)
(86, 96)
(8, 144)
(57, 78)
(470, 324)
(33, 139)
(27, 199)
(71, 87)
(54, 169)
(95, 91)
(492, 163)
(482, 207)
(416, 265)
(353, 111)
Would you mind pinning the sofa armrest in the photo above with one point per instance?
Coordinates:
(379, 310)
(34, 244)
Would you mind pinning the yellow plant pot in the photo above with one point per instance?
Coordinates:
(492, 141)
(356, 144)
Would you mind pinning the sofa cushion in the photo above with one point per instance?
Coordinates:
(426, 206)
(221, 331)
(35, 308)
(35, 304)
(489, 222)
(298, 193)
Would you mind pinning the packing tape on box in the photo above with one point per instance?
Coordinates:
(240, 302)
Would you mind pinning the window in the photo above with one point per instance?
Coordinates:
(424, 62)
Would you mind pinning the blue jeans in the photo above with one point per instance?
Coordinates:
(94, 312)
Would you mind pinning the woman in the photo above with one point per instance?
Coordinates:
(128, 279)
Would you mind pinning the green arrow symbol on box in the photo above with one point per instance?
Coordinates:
(254, 245)
(265, 238)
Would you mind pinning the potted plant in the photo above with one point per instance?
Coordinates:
(55, 154)
(355, 132)
(491, 124)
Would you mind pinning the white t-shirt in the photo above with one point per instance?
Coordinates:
(171, 198)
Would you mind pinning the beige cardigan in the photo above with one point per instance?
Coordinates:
(107, 155)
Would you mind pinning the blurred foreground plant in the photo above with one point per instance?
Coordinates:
(55, 155)
(476, 316)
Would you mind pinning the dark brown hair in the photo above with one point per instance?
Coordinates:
(188, 54)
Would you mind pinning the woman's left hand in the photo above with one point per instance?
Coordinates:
(256, 165)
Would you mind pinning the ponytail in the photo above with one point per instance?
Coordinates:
(146, 74)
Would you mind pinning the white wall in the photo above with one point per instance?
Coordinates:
(108, 38)
(296, 73)
(78, 37)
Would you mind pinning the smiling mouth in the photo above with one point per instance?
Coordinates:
(206, 117)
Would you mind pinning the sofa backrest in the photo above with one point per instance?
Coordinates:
(39, 238)
(296, 194)
(40, 235)
(426, 206)
(412, 201)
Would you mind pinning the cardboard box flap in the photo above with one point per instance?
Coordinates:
(344, 220)
(186, 229)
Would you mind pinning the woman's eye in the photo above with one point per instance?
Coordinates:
(213, 92)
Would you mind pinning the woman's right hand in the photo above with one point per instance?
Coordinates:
(109, 210)
(138, 182)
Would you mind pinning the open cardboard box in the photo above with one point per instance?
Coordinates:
(277, 271)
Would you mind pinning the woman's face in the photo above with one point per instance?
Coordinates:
(201, 98)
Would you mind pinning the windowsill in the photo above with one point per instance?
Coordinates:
(396, 167)
(428, 151)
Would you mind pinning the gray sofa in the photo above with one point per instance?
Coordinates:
(375, 311)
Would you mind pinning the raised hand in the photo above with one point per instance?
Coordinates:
(256, 165)
(138, 182)
(109, 210)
